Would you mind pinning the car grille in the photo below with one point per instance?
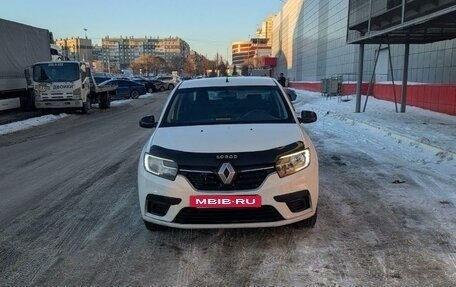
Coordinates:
(190, 215)
(244, 179)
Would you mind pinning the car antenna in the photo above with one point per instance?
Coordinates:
(227, 79)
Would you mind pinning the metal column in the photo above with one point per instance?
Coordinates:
(360, 78)
(405, 78)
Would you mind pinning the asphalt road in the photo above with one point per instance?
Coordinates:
(69, 216)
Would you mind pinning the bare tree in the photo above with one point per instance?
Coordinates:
(143, 63)
(159, 65)
(148, 64)
(177, 63)
(189, 67)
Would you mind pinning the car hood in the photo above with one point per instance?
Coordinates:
(226, 138)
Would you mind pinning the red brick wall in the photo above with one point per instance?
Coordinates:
(308, 86)
(434, 97)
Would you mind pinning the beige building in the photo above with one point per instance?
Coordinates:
(118, 53)
(266, 30)
(240, 53)
(78, 49)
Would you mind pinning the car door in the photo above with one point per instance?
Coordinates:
(123, 88)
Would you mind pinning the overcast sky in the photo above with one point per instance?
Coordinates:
(207, 25)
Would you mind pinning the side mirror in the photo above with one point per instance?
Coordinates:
(308, 117)
(148, 122)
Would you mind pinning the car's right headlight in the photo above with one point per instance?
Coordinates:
(161, 167)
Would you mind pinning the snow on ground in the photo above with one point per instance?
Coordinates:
(145, 96)
(428, 130)
(421, 137)
(29, 123)
(120, 102)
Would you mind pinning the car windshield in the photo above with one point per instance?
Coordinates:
(56, 72)
(227, 105)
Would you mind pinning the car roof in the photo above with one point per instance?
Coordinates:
(228, 82)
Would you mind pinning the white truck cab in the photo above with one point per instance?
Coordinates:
(66, 84)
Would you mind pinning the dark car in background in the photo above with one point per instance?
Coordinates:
(126, 88)
(102, 77)
(150, 84)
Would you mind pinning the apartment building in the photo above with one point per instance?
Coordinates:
(118, 53)
(75, 48)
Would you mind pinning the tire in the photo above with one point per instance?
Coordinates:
(134, 94)
(105, 101)
(86, 106)
(309, 222)
(162, 89)
(27, 102)
(170, 86)
(154, 227)
(150, 90)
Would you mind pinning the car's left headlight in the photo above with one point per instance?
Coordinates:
(161, 167)
(292, 163)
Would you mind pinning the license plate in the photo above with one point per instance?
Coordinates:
(225, 201)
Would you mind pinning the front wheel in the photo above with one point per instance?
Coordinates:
(162, 89)
(170, 86)
(309, 222)
(150, 90)
(105, 101)
(134, 94)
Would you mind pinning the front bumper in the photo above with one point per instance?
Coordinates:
(58, 104)
(284, 201)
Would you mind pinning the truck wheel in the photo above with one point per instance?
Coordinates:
(154, 227)
(27, 102)
(134, 94)
(86, 107)
(309, 222)
(105, 101)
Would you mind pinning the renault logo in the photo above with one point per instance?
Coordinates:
(226, 173)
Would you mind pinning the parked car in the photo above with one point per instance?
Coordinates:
(170, 81)
(100, 77)
(150, 84)
(126, 88)
(159, 85)
(245, 159)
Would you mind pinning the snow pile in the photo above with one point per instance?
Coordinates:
(145, 96)
(29, 123)
(420, 137)
(120, 102)
(428, 130)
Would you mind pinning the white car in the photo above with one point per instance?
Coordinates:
(228, 153)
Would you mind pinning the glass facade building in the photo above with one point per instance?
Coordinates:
(316, 39)
(310, 42)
